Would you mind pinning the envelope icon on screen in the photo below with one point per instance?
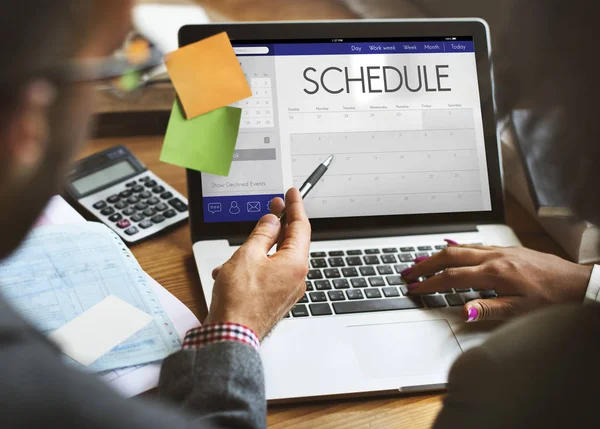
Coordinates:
(253, 207)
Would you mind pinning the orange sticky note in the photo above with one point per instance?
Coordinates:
(207, 75)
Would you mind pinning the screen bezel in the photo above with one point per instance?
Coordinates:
(251, 32)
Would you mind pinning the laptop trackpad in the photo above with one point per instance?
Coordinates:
(404, 349)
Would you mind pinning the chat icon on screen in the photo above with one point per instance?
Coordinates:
(215, 207)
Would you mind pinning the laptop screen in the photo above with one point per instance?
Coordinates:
(402, 118)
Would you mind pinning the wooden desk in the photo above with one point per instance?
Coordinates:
(169, 260)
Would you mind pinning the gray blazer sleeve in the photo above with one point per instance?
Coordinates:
(540, 371)
(218, 386)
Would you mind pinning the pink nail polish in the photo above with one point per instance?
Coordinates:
(472, 313)
(420, 259)
(413, 286)
(406, 272)
(451, 242)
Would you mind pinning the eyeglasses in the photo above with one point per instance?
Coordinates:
(125, 73)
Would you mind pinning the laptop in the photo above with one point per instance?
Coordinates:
(406, 109)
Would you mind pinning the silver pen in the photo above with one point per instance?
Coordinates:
(310, 183)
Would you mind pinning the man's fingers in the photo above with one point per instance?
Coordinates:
(494, 309)
(277, 206)
(297, 232)
(454, 256)
(264, 235)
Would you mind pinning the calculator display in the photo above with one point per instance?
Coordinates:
(103, 177)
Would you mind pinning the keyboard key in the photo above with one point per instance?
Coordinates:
(407, 249)
(390, 250)
(371, 260)
(113, 199)
(178, 205)
(424, 248)
(145, 195)
(125, 194)
(320, 309)
(341, 284)
(359, 282)
(394, 280)
(138, 217)
(314, 274)
(318, 263)
(303, 300)
(406, 257)
(454, 300)
(371, 251)
(384, 270)
(160, 207)
(158, 189)
(107, 211)
(131, 231)
(350, 272)
(420, 255)
(166, 195)
(367, 271)
(488, 294)
(124, 223)
(149, 212)
(129, 211)
(130, 184)
(152, 201)
(404, 289)
(121, 205)
(169, 213)
(354, 252)
(354, 294)
(388, 259)
(150, 184)
(137, 188)
(158, 218)
(463, 290)
(440, 247)
(318, 254)
(354, 261)
(144, 179)
(400, 267)
(318, 297)
(434, 301)
(99, 205)
(299, 310)
(323, 285)
(145, 224)
(332, 273)
(372, 293)
(376, 281)
(141, 206)
(309, 286)
(133, 200)
(115, 218)
(336, 253)
(348, 307)
(336, 262)
(336, 295)
(390, 292)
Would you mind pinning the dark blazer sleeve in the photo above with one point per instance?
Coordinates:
(218, 386)
(540, 371)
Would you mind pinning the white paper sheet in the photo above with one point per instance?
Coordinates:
(99, 329)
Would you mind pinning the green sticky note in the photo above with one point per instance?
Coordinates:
(205, 143)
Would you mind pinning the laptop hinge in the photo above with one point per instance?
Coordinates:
(378, 232)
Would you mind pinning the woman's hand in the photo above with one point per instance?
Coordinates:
(524, 279)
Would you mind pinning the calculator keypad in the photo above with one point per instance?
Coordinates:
(139, 205)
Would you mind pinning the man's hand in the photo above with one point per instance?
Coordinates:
(524, 279)
(256, 290)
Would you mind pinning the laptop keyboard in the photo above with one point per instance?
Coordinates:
(367, 280)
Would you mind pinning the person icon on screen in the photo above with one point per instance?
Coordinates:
(234, 208)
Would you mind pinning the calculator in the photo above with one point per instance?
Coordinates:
(118, 190)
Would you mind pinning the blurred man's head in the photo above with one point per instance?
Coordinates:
(43, 119)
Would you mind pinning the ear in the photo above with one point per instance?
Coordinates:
(27, 130)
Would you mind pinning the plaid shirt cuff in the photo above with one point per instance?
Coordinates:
(217, 333)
